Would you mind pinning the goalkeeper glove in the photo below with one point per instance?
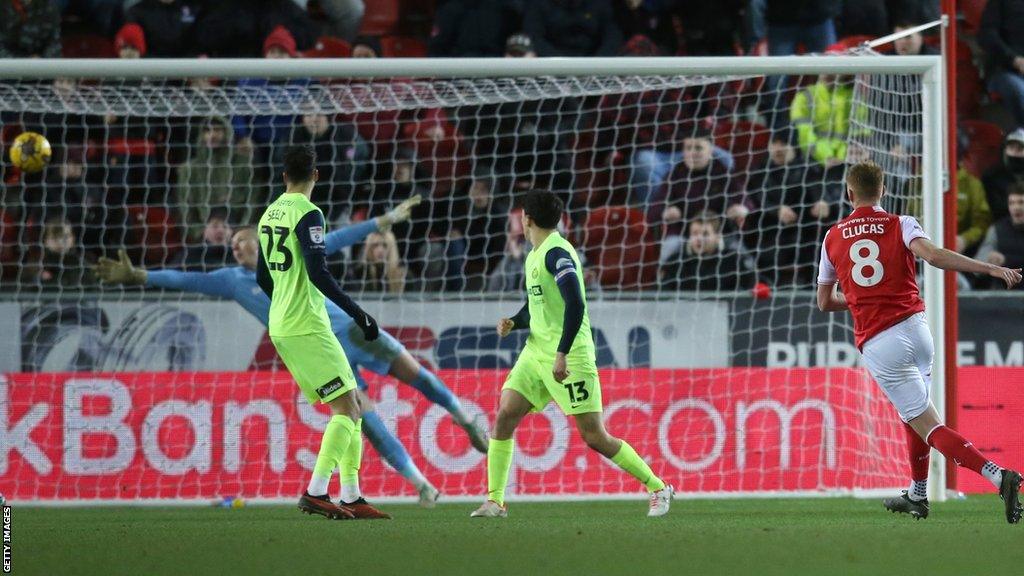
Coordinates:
(399, 213)
(120, 271)
(369, 327)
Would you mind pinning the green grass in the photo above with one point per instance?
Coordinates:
(829, 536)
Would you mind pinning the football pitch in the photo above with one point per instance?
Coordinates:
(809, 536)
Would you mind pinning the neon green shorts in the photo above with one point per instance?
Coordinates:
(578, 394)
(318, 365)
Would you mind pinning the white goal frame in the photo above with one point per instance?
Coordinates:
(935, 171)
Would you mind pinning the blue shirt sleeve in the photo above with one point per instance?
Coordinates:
(216, 283)
(350, 235)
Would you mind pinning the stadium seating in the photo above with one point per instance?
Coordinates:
(402, 47)
(381, 17)
(618, 247)
(986, 145)
(329, 47)
(971, 11)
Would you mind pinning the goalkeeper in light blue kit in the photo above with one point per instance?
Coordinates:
(385, 355)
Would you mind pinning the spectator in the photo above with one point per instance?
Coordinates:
(1001, 177)
(472, 28)
(366, 47)
(1001, 35)
(59, 261)
(508, 274)
(795, 22)
(69, 194)
(29, 29)
(379, 268)
(482, 213)
(973, 215)
(572, 27)
(863, 18)
(912, 44)
(217, 175)
(130, 42)
(343, 16)
(214, 249)
(792, 23)
(165, 24)
(519, 46)
(237, 28)
(342, 158)
(791, 213)
(710, 28)
(706, 262)
(653, 19)
(697, 184)
(822, 115)
(257, 136)
(1004, 243)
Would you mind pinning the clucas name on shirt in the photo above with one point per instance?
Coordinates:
(862, 226)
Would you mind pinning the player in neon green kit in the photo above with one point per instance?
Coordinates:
(558, 363)
(292, 270)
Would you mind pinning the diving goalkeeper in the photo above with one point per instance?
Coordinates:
(385, 356)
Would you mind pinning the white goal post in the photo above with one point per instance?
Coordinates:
(442, 82)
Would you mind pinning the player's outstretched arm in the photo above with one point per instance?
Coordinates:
(349, 235)
(949, 260)
(122, 271)
(310, 234)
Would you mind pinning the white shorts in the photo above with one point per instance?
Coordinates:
(900, 359)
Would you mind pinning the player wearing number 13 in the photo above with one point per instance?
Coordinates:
(558, 362)
(871, 254)
(292, 270)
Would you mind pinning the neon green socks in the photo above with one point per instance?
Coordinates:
(349, 466)
(499, 461)
(337, 436)
(631, 462)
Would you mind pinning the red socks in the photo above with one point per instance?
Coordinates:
(918, 455)
(957, 448)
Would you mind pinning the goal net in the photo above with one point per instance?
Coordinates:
(697, 192)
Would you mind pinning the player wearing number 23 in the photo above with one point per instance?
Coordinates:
(559, 361)
(871, 255)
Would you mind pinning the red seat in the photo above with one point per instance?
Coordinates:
(619, 248)
(972, 10)
(402, 47)
(152, 234)
(747, 141)
(849, 42)
(986, 146)
(381, 17)
(968, 82)
(87, 46)
(329, 47)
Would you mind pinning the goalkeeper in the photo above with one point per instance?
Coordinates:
(385, 355)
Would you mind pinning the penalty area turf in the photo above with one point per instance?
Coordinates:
(785, 536)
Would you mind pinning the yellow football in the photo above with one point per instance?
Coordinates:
(30, 152)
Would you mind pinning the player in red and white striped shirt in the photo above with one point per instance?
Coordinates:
(871, 254)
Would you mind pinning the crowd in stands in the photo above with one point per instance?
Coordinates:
(706, 188)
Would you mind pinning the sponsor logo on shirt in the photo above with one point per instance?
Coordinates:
(563, 262)
(536, 291)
